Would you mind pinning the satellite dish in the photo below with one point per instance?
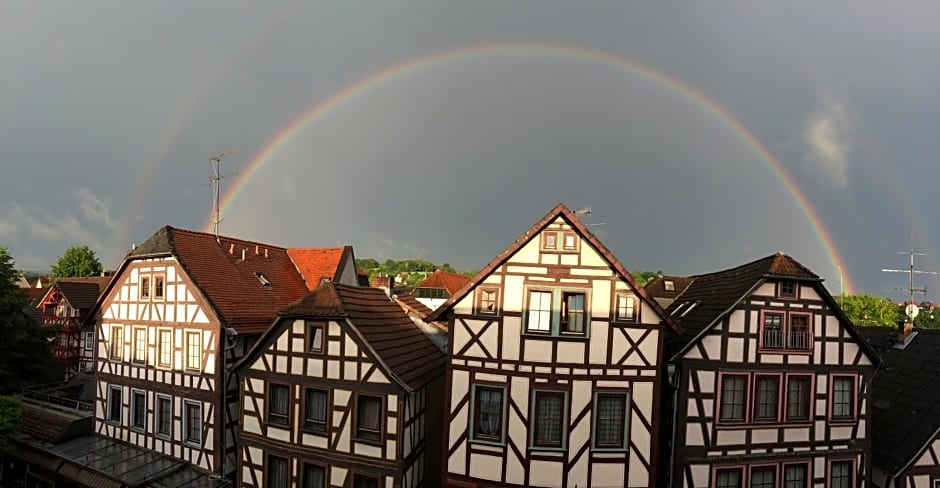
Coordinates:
(911, 310)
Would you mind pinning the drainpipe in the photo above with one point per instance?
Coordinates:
(672, 379)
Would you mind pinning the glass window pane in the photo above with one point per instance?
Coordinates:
(488, 421)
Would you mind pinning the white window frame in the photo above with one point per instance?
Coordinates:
(89, 340)
(162, 348)
(188, 366)
(139, 355)
(627, 297)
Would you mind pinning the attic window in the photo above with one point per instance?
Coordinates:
(264, 281)
(669, 285)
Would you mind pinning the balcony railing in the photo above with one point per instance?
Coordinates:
(65, 353)
(64, 322)
(51, 397)
(796, 340)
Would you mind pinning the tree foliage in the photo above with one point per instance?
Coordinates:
(867, 309)
(24, 347)
(77, 261)
(415, 269)
(11, 411)
(644, 277)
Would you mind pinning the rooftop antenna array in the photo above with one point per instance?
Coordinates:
(910, 308)
(587, 211)
(215, 163)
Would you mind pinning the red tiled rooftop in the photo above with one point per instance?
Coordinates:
(317, 263)
(452, 282)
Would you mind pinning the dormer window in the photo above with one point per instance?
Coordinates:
(264, 281)
(787, 289)
(669, 285)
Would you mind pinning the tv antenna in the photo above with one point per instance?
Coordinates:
(587, 211)
(215, 162)
(910, 308)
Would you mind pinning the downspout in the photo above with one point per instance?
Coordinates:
(671, 377)
(228, 344)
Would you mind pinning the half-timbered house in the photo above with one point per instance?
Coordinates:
(66, 307)
(344, 390)
(905, 415)
(181, 309)
(770, 382)
(554, 367)
(438, 287)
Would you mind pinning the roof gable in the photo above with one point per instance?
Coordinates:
(316, 264)
(562, 212)
(452, 282)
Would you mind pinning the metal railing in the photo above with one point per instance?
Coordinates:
(795, 339)
(51, 398)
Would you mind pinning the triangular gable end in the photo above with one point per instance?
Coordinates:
(559, 212)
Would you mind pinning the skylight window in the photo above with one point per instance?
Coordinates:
(669, 285)
(264, 281)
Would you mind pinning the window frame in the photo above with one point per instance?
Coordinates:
(717, 470)
(626, 396)
(359, 476)
(139, 355)
(478, 302)
(118, 391)
(189, 351)
(852, 470)
(158, 410)
(775, 468)
(268, 463)
(358, 428)
(144, 282)
(89, 340)
(545, 246)
(142, 425)
(634, 318)
(810, 388)
(576, 243)
(777, 377)
(556, 297)
(563, 420)
(161, 278)
(788, 296)
(116, 347)
(161, 348)
(303, 473)
(475, 437)
(745, 401)
(272, 419)
(786, 325)
(326, 408)
(309, 337)
(187, 439)
(567, 312)
(853, 406)
(807, 473)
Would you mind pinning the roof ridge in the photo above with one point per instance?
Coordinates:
(227, 238)
(728, 270)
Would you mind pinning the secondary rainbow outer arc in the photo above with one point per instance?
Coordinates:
(325, 106)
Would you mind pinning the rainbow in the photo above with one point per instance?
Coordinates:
(326, 106)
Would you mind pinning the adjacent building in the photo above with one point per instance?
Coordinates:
(554, 367)
(66, 307)
(343, 390)
(438, 287)
(770, 381)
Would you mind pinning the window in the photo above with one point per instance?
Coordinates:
(158, 287)
(117, 342)
(763, 477)
(368, 418)
(787, 331)
(138, 410)
(193, 350)
(540, 311)
(140, 344)
(549, 240)
(315, 337)
(315, 408)
(314, 476)
(794, 475)
(192, 422)
(145, 288)
(798, 398)
(610, 426)
(840, 474)
(572, 313)
(62, 309)
(625, 308)
(278, 404)
(487, 413)
(163, 420)
(360, 481)
(733, 392)
(488, 302)
(549, 414)
(431, 293)
(728, 478)
(165, 347)
(669, 285)
(571, 241)
(276, 472)
(787, 289)
(114, 404)
(773, 330)
(843, 398)
(89, 340)
(766, 399)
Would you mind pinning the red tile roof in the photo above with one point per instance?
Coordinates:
(317, 263)
(231, 284)
(452, 282)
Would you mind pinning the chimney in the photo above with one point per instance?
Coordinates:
(231, 248)
(245, 250)
(257, 250)
(904, 330)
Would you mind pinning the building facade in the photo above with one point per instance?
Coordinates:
(344, 390)
(554, 367)
(66, 307)
(770, 382)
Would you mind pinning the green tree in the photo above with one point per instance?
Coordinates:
(867, 309)
(644, 277)
(24, 347)
(11, 411)
(367, 264)
(77, 261)
(928, 319)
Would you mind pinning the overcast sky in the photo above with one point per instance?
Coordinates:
(110, 110)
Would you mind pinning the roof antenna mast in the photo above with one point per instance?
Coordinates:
(910, 308)
(215, 162)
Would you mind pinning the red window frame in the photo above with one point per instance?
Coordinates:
(831, 400)
(785, 340)
(756, 398)
(719, 403)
